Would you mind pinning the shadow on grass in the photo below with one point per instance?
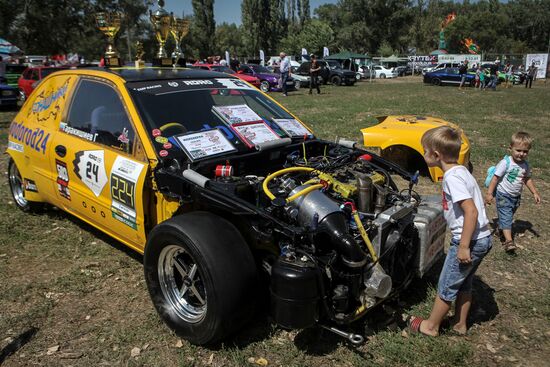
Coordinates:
(58, 214)
(17, 343)
(518, 227)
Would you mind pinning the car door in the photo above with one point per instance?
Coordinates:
(99, 170)
(26, 81)
(453, 76)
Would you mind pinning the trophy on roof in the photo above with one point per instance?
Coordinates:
(161, 21)
(108, 22)
(178, 28)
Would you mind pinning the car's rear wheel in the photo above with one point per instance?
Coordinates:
(297, 84)
(202, 282)
(382, 76)
(436, 81)
(357, 76)
(264, 86)
(17, 189)
(336, 80)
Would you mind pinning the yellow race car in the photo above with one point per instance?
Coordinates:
(397, 139)
(224, 192)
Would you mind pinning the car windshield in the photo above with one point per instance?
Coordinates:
(260, 69)
(334, 64)
(48, 71)
(171, 108)
(223, 69)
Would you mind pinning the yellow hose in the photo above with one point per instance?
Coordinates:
(305, 191)
(364, 235)
(282, 172)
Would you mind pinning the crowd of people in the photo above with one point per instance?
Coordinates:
(488, 77)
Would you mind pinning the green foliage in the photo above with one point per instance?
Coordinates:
(203, 27)
(314, 36)
(229, 38)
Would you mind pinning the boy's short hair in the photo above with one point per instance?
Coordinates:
(444, 139)
(521, 138)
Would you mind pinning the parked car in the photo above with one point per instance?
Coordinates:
(214, 183)
(440, 66)
(302, 81)
(397, 138)
(226, 69)
(403, 70)
(366, 72)
(383, 72)
(9, 96)
(33, 75)
(13, 72)
(339, 75)
(269, 81)
(448, 76)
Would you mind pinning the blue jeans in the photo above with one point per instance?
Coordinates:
(506, 208)
(493, 82)
(456, 277)
(284, 78)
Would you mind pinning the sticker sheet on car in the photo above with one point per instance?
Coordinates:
(124, 176)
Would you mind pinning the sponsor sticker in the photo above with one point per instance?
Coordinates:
(124, 176)
(30, 185)
(15, 146)
(163, 153)
(156, 132)
(161, 139)
(36, 139)
(167, 145)
(62, 179)
(76, 132)
(89, 167)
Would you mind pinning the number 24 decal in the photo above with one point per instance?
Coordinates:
(92, 169)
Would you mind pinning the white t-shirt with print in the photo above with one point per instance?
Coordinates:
(458, 185)
(513, 177)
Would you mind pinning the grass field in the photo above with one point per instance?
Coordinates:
(70, 296)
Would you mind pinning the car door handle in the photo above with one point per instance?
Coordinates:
(61, 151)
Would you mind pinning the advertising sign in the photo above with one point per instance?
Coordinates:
(419, 62)
(455, 58)
(541, 62)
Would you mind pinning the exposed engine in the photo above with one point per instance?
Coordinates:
(332, 230)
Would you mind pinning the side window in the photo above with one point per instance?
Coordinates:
(27, 74)
(34, 74)
(97, 114)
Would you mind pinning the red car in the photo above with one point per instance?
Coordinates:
(32, 76)
(226, 69)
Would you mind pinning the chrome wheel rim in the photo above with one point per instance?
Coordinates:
(181, 283)
(16, 185)
(264, 86)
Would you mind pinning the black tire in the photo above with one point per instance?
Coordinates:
(264, 86)
(219, 293)
(436, 81)
(357, 76)
(382, 76)
(335, 80)
(297, 84)
(17, 190)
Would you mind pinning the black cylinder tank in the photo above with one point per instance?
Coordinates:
(294, 293)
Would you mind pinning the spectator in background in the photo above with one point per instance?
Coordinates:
(314, 69)
(493, 71)
(530, 75)
(284, 68)
(2, 71)
(482, 77)
(508, 70)
(463, 70)
(234, 64)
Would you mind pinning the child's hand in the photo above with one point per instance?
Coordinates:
(463, 255)
(537, 198)
(488, 198)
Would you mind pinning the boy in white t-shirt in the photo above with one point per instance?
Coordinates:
(471, 238)
(511, 173)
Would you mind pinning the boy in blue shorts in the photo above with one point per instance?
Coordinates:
(464, 211)
(511, 173)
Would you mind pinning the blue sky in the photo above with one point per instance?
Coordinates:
(228, 11)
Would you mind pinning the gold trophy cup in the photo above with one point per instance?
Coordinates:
(161, 24)
(109, 24)
(179, 29)
(139, 63)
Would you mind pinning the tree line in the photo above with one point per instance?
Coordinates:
(378, 27)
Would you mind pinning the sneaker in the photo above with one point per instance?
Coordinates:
(509, 246)
(285, 95)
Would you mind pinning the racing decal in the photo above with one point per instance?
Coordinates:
(15, 146)
(161, 139)
(153, 87)
(124, 176)
(48, 103)
(156, 132)
(62, 179)
(163, 153)
(167, 145)
(30, 185)
(76, 132)
(89, 167)
(36, 139)
(123, 137)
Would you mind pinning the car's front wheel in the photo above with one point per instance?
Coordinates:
(382, 76)
(357, 76)
(336, 80)
(264, 86)
(436, 81)
(202, 282)
(297, 84)
(17, 189)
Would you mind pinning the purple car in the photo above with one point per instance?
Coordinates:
(269, 81)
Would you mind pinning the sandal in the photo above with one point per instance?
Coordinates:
(413, 324)
(509, 246)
